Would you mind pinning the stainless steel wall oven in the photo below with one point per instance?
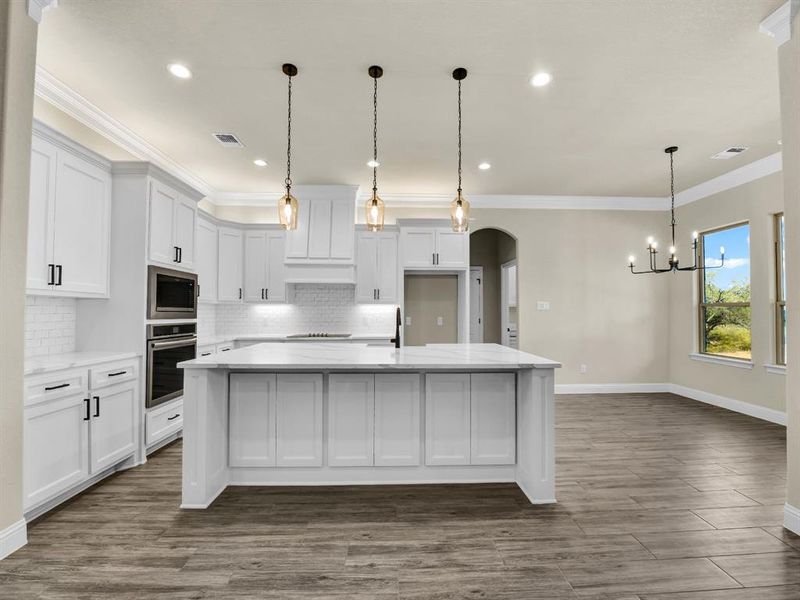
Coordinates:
(167, 345)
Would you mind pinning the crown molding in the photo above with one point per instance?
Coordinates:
(63, 97)
(779, 24)
(36, 8)
(744, 174)
(149, 169)
(59, 140)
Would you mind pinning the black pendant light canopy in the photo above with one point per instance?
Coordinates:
(287, 205)
(374, 206)
(459, 207)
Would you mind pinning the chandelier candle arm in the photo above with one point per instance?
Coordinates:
(374, 207)
(459, 207)
(287, 205)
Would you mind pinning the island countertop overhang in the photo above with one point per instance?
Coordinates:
(362, 357)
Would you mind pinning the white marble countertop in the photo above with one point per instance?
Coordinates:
(282, 337)
(354, 356)
(69, 360)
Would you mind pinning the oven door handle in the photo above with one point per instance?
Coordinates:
(173, 343)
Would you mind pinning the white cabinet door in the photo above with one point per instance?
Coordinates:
(342, 226)
(397, 420)
(81, 225)
(207, 257)
(230, 265)
(297, 239)
(56, 448)
(319, 229)
(252, 420)
(366, 267)
(447, 421)
(419, 246)
(255, 265)
(452, 249)
(113, 430)
(41, 205)
(387, 267)
(161, 225)
(185, 226)
(276, 271)
(493, 419)
(299, 420)
(351, 408)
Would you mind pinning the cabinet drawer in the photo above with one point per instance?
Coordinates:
(206, 350)
(226, 347)
(163, 421)
(39, 388)
(112, 373)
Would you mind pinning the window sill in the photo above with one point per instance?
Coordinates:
(722, 360)
(776, 369)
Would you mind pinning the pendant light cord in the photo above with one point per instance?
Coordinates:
(374, 137)
(672, 193)
(288, 180)
(459, 138)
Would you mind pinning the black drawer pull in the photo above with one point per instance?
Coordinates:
(205, 353)
(118, 373)
(224, 349)
(173, 417)
(56, 387)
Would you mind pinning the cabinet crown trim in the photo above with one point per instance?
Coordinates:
(151, 170)
(62, 142)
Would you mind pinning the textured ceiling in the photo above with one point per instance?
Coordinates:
(630, 77)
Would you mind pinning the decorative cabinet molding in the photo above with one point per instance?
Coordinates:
(299, 420)
(351, 420)
(376, 267)
(325, 227)
(69, 218)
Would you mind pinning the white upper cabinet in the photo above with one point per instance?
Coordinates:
(69, 219)
(434, 248)
(172, 224)
(207, 257)
(230, 265)
(264, 279)
(376, 267)
(325, 230)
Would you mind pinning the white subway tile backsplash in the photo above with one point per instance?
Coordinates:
(310, 308)
(49, 325)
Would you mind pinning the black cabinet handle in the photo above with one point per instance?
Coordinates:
(180, 254)
(97, 406)
(205, 354)
(198, 290)
(262, 293)
(225, 350)
(173, 417)
(117, 374)
(433, 258)
(379, 293)
(86, 400)
(266, 293)
(240, 293)
(51, 274)
(59, 274)
(56, 387)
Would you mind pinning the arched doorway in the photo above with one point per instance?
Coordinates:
(493, 287)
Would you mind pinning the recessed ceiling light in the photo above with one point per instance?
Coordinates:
(541, 79)
(260, 162)
(179, 70)
(373, 164)
(484, 166)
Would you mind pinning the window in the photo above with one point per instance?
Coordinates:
(780, 292)
(725, 292)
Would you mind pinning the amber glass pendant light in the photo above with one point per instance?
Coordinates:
(287, 205)
(459, 208)
(374, 207)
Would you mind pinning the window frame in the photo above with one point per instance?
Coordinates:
(702, 305)
(778, 227)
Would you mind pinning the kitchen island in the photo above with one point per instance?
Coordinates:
(352, 414)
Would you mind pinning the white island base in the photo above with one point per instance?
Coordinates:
(347, 414)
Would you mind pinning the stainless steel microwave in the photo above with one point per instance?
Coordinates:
(171, 294)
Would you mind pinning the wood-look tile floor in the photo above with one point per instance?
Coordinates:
(660, 498)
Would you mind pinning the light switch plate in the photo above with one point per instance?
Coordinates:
(542, 305)
(440, 321)
(408, 321)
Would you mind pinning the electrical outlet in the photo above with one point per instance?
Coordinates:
(408, 321)
(583, 368)
(440, 321)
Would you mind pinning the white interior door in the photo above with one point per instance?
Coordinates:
(351, 419)
(161, 225)
(447, 419)
(493, 418)
(255, 265)
(508, 325)
(113, 434)
(81, 225)
(397, 419)
(299, 420)
(252, 441)
(185, 227)
(387, 267)
(276, 269)
(366, 267)
(230, 265)
(207, 257)
(476, 305)
(41, 207)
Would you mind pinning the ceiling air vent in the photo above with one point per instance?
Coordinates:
(729, 153)
(228, 139)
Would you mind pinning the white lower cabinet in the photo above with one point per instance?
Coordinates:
(470, 419)
(351, 419)
(163, 421)
(493, 417)
(252, 422)
(113, 434)
(299, 420)
(397, 419)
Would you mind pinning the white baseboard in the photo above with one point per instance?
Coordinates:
(791, 518)
(611, 388)
(745, 408)
(753, 410)
(13, 537)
